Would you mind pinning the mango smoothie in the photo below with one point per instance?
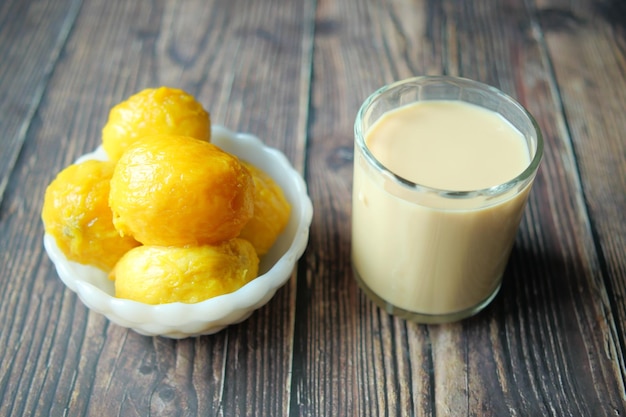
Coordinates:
(438, 194)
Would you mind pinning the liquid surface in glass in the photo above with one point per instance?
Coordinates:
(450, 145)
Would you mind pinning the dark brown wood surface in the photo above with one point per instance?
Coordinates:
(294, 73)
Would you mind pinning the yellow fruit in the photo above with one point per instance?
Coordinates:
(159, 274)
(271, 212)
(76, 213)
(176, 190)
(154, 111)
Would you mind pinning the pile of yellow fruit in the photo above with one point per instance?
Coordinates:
(170, 216)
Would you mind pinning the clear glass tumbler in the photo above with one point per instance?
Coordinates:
(426, 254)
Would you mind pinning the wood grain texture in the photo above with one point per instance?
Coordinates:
(295, 73)
(31, 38)
(593, 97)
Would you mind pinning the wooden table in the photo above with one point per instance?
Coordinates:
(294, 73)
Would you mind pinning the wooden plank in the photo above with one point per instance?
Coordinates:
(31, 38)
(546, 345)
(594, 97)
(352, 359)
(251, 70)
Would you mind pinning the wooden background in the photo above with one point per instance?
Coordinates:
(294, 73)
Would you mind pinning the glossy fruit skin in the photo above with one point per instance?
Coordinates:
(76, 213)
(177, 191)
(154, 111)
(271, 212)
(160, 274)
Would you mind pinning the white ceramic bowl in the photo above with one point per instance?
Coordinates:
(179, 320)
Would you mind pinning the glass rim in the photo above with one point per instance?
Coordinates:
(494, 190)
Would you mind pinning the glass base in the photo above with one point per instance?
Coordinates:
(421, 317)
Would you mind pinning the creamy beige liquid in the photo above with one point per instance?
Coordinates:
(422, 252)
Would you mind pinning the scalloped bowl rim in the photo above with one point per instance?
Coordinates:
(178, 320)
